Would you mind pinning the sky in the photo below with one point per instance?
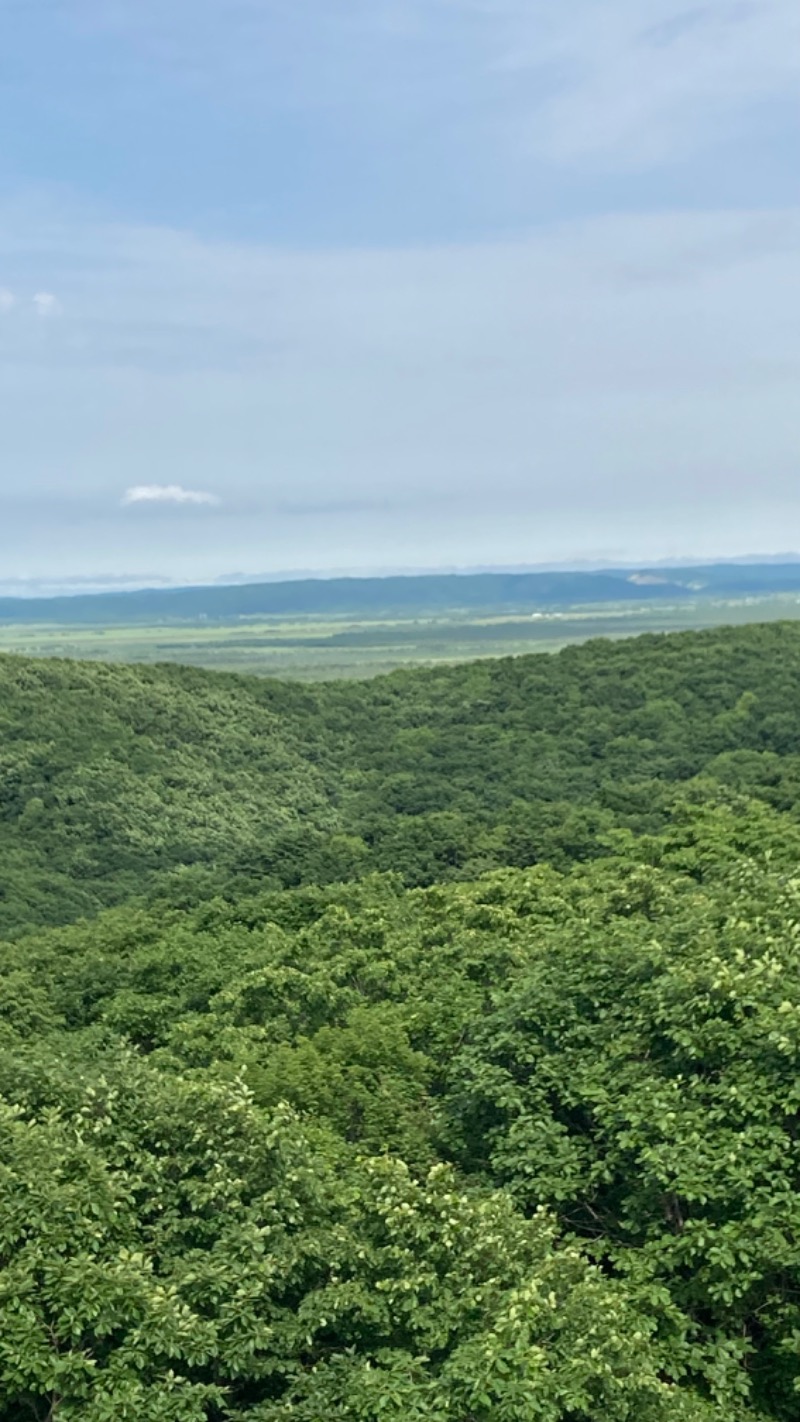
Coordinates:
(364, 285)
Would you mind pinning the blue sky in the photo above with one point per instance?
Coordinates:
(366, 284)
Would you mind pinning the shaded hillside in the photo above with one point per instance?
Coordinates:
(124, 781)
(112, 777)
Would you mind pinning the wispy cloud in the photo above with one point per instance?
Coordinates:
(639, 83)
(167, 494)
(634, 83)
(596, 385)
(7, 299)
(46, 305)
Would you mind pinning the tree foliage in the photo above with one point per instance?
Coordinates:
(344, 1143)
(119, 782)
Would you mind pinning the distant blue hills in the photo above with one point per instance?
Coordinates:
(381, 596)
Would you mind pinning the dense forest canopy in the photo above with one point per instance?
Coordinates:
(424, 1048)
(121, 782)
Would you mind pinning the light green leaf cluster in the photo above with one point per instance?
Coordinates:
(169, 1251)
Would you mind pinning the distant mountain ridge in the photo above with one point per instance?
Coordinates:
(365, 597)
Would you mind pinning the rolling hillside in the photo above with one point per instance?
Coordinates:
(120, 782)
(417, 1050)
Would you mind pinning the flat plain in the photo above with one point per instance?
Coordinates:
(312, 648)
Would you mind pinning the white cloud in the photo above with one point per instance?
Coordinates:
(46, 304)
(167, 494)
(7, 299)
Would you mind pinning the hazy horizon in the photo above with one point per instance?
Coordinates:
(133, 582)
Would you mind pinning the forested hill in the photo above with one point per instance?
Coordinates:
(124, 782)
(417, 1050)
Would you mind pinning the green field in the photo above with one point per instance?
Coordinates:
(320, 648)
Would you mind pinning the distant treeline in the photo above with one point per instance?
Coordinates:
(368, 597)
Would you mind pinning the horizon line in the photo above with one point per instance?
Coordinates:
(88, 586)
